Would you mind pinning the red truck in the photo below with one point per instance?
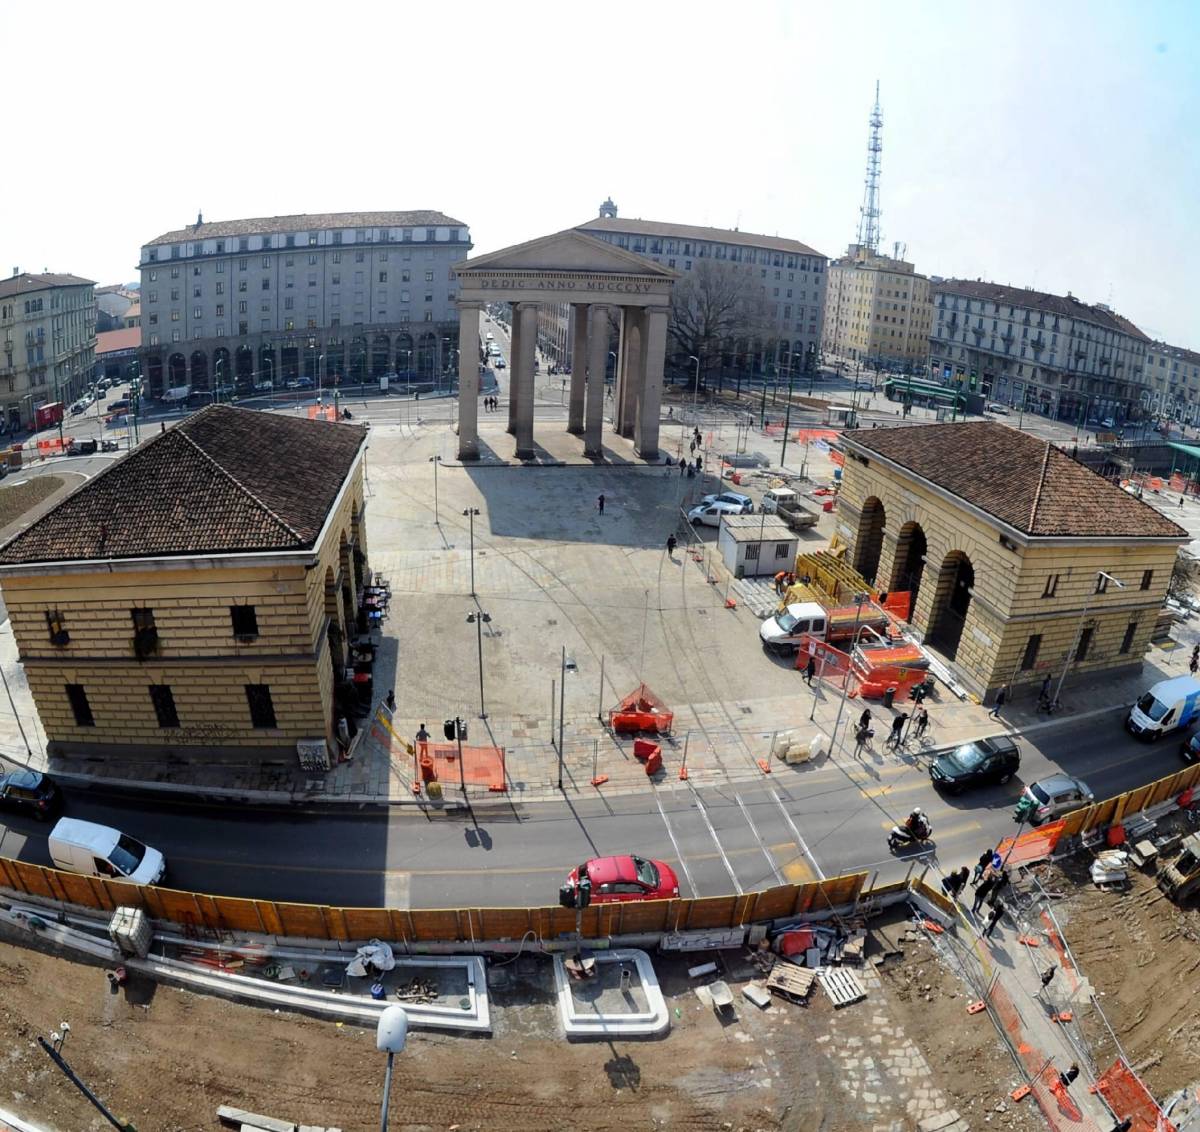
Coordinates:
(46, 416)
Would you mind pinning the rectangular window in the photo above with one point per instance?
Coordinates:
(164, 705)
(78, 700)
(782, 550)
(1101, 583)
(197, 292)
(262, 709)
(266, 262)
(197, 313)
(1085, 643)
(266, 284)
(1051, 586)
(1127, 640)
(55, 626)
(220, 288)
(1031, 652)
(220, 310)
(242, 307)
(429, 277)
(752, 549)
(1147, 578)
(242, 286)
(383, 277)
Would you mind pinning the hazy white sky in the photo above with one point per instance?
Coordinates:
(1052, 145)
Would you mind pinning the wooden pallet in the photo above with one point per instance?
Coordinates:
(841, 985)
(790, 981)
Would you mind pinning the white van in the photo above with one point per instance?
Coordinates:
(1167, 706)
(786, 629)
(101, 851)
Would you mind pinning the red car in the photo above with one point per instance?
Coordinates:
(627, 878)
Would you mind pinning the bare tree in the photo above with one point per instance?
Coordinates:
(712, 308)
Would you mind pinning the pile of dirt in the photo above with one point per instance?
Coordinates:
(1141, 953)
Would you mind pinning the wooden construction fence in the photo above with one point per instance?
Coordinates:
(192, 910)
(1112, 810)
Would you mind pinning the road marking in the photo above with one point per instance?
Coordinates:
(796, 871)
(896, 788)
(716, 840)
(754, 829)
(679, 855)
(943, 830)
(796, 835)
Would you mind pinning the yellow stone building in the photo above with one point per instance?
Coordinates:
(197, 598)
(877, 310)
(1022, 562)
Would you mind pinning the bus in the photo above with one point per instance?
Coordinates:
(914, 391)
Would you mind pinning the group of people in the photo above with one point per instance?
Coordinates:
(897, 736)
(990, 885)
(491, 404)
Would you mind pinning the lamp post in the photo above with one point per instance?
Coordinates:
(217, 370)
(787, 420)
(695, 385)
(1079, 630)
(860, 599)
(437, 518)
(470, 513)
(391, 1034)
(479, 619)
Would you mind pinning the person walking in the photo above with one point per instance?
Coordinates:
(600, 503)
(993, 919)
(1044, 694)
(810, 670)
(920, 721)
(1000, 884)
(1001, 697)
(955, 882)
(864, 720)
(391, 699)
(1066, 1079)
(898, 723)
(1047, 976)
(683, 465)
(981, 892)
(699, 463)
(1194, 663)
(861, 737)
(671, 546)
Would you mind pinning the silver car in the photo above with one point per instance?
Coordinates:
(709, 514)
(1056, 794)
(744, 502)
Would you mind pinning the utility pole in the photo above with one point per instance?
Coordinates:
(469, 513)
(787, 420)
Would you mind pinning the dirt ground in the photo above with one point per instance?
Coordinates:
(165, 1059)
(1141, 953)
(19, 498)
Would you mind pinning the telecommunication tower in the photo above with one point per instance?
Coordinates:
(868, 214)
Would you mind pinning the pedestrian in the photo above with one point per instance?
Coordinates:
(600, 503)
(993, 919)
(1001, 883)
(1044, 694)
(955, 882)
(670, 546)
(861, 737)
(1047, 976)
(670, 412)
(391, 699)
(1194, 664)
(998, 703)
(692, 448)
(699, 462)
(683, 465)
(897, 729)
(864, 720)
(810, 670)
(981, 891)
(1181, 502)
(1066, 1078)
(422, 734)
(920, 721)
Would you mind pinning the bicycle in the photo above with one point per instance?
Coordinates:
(1048, 706)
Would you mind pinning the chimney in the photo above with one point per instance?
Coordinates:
(199, 220)
(16, 272)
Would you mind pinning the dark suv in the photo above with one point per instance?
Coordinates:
(30, 792)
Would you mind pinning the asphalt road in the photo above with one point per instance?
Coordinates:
(795, 825)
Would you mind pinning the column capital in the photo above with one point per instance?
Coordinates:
(469, 304)
(657, 310)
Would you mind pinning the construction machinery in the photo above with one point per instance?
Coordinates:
(1181, 877)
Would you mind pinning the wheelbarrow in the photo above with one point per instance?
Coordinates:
(722, 998)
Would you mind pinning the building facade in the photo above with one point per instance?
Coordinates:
(1042, 353)
(338, 297)
(113, 304)
(783, 280)
(877, 311)
(1173, 383)
(116, 354)
(197, 598)
(47, 342)
(1022, 563)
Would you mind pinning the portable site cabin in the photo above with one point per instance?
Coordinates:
(751, 545)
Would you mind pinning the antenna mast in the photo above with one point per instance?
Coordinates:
(868, 218)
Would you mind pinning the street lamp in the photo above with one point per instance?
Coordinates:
(437, 518)
(470, 513)
(1079, 631)
(695, 385)
(391, 1034)
(479, 619)
(217, 370)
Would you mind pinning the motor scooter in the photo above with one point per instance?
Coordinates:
(902, 837)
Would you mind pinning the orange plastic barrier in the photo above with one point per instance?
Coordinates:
(899, 605)
(641, 710)
(1128, 1096)
(481, 766)
(322, 412)
(1033, 845)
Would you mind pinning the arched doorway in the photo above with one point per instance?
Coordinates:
(335, 361)
(869, 542)
(154, 373)
(909, 563)
(199, 370)
(176, 371)
(222, 373)
(243, 367)
(951, 602)
(266, 365)
(380, 355)
(427, 355)
(404, 353)
(358, 360)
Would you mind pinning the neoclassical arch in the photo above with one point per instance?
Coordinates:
(243, 366)
(381, 349)
(404, 353)
(868, 543)
(908, 563)
(358, 359)
(176, 371)
(222, 367)
(951, 603)
(427, 354)
(199, 369)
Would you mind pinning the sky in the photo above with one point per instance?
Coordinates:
(1045, 145)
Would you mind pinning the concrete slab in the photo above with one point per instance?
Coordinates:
(606, 1010)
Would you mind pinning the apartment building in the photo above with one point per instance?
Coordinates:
(332, 297)
(47, 342)
(1050, 354)
(1173, 383)
(877, 310)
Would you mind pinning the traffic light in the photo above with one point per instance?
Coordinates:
(448, 730)
(1025, 807)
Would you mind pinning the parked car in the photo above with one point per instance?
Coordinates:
(30, 792)
(263, 387)
(300, 383)
(743, 501)
(1056, 794)
(1108, 422)
(101, 851)
(79, 407)
(121, 406)
(1191, 747)
(709, 514)
(615, 879)
(500, 363)
(975, 764)
(996, 407)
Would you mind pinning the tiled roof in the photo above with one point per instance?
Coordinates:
(307, 222)
(1022, 481)
(226, 480)
(1189, 357)
(622, 226)
(110, 341)
(1065, 306)
(27, 281)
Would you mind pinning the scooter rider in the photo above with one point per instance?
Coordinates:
(917, 825)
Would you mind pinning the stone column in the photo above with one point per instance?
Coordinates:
(633, 349)
(524, 382)
(514, 352)
(579, 346)
(650, 399)
(468, 382)
(597, 359)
